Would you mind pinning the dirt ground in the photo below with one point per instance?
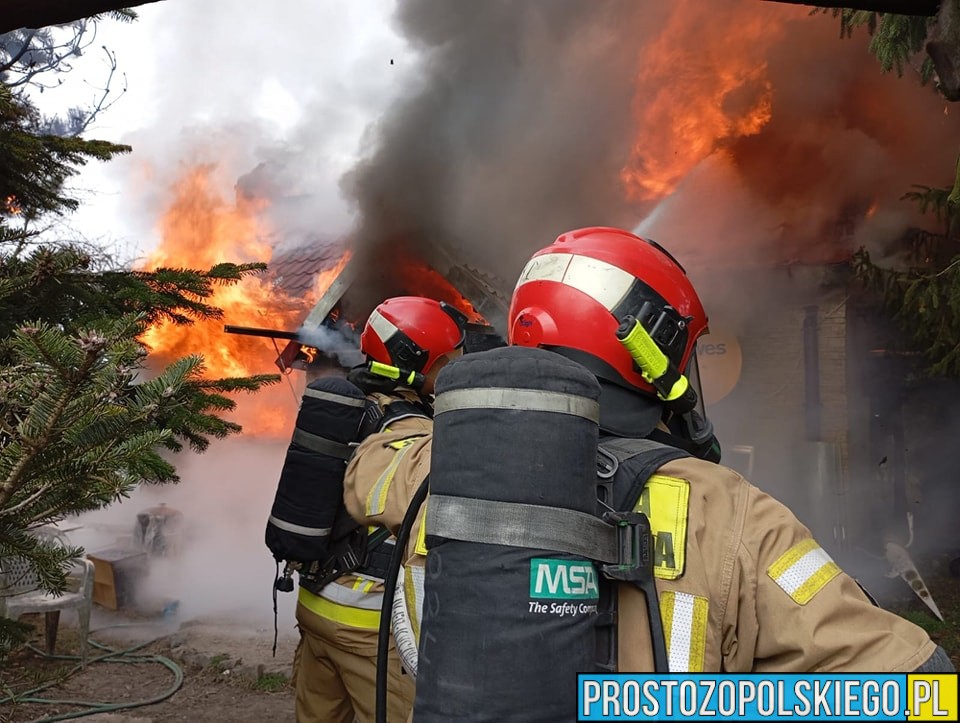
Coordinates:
(228, 674)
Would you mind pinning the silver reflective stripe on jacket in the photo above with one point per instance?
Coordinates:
(344, 595)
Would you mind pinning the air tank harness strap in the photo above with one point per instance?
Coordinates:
(322, 445)
(623, 540)
(529, 400)
(521, 525)
(648, 456)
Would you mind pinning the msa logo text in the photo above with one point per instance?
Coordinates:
(569, 579)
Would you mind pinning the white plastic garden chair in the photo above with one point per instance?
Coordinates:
(20, 594)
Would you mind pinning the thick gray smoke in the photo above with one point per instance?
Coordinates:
(516, 129)
(525, 114)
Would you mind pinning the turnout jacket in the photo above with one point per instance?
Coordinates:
(742, 584)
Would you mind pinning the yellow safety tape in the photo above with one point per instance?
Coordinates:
(410, 597)
(377, 499)
(421, 545)
(343, 614)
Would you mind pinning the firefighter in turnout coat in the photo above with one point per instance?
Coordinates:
(742, 585)
(411, 339)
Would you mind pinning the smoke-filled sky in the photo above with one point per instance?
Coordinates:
(230, 83)
(735, 132)
(490, 127)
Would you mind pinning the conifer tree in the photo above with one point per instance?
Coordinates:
(922, 293)
(922, 296)
(82, 419)
(894, 39)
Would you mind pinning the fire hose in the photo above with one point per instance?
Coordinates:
(110, 656)
(389, 589)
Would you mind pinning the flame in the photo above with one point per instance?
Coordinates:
(689, 101)
(198, 230)
(11, 207)
(326, 277)
(422, 280)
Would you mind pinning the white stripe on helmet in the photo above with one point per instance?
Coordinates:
(605, 283)
(382, 326)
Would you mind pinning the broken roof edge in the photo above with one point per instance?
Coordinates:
(338, 287)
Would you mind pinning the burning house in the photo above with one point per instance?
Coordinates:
(329, 331)
(755, 145)
(801, 396)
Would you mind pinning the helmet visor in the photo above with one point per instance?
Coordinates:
(693, 376)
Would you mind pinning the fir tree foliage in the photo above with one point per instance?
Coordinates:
(83, 420)
(925, 306)
(895, 40)
(923, 298)
(61, 284)
(922, 295)
(36, 165)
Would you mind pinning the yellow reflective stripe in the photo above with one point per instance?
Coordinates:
(421, 545)
(363, 585)
(413, 595)
(377, 499)
(348, 594)
(685, 629)
(401, 443)
(343, 614)
(803, 571)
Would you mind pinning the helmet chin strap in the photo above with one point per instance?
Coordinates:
(692, 432)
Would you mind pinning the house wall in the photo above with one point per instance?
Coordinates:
(799, 450)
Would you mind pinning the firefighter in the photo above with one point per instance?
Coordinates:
(742, 586)
(406, 340)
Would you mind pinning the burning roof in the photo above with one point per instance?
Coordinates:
(743, 135)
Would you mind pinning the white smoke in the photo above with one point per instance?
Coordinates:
(221, 566)
(234, 85)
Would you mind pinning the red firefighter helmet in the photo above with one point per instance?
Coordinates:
(412, 332)
(573, 294)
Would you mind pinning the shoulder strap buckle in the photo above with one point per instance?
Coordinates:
(634, 547)
(635, 565)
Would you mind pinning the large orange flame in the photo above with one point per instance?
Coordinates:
(198, 230)
(689, 100)
(326, 277)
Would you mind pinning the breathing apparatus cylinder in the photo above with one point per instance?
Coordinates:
(508, 618)
(310, 491)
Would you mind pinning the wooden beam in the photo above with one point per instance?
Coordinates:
(41, 13)
(926, 8)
